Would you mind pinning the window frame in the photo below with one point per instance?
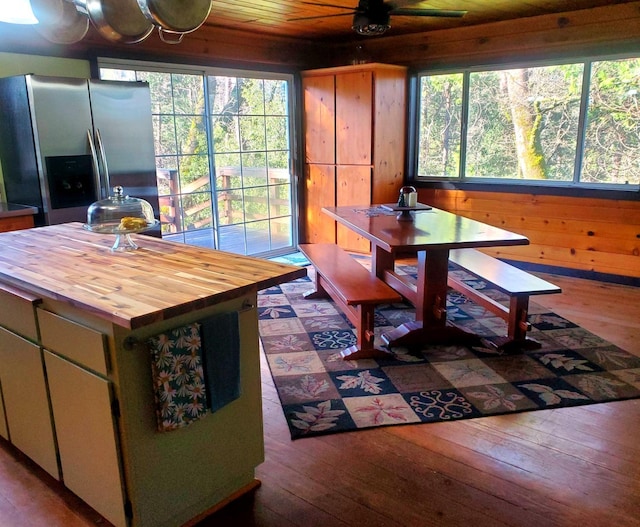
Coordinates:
(560, 188)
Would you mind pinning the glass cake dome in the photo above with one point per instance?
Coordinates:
(120, 215)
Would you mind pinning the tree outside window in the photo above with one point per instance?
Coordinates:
(222, 159)
(525, 124)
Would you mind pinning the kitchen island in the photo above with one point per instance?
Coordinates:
(76, 376)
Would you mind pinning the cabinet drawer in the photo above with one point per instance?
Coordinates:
(79, 343)
(18, 313)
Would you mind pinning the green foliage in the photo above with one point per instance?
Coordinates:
(525, 123)
(440, 121)
(612, 140)
(251, 140)
(249, 125)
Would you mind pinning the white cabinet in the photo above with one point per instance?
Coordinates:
(25, 412)
(26, 402)
(58, 401)
(82, 403)
(78, 394)
(87, 441)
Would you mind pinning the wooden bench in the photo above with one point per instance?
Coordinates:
(517, 284)
(354, 289)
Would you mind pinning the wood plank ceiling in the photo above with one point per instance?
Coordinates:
(273, 17)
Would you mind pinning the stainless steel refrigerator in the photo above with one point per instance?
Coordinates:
(66, 142)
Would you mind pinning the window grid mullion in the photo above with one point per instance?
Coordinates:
(582, 121)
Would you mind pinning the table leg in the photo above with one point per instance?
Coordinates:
(430, 326)
(431, 306)
(381, 261)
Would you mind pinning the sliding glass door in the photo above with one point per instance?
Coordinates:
(250, 128)
(223, 157)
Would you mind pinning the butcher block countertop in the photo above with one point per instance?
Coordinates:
(158, 281)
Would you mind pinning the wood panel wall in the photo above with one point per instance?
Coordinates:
(209, 46)
(587, 234)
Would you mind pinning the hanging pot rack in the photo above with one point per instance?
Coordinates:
(123, 21)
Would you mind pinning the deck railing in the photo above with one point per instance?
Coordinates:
(171, 215)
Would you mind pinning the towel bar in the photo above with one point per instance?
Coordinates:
(130, 342)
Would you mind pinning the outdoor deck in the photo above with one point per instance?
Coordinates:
(232, 239)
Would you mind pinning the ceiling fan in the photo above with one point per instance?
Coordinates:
(373, 17)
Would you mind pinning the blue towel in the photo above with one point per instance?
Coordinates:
(178, 379)
(221, 356)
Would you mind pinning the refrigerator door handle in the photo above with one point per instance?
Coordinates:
(96, 165)
(105, 169)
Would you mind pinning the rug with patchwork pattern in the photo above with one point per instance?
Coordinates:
(321, 393)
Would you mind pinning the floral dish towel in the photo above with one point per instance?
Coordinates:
(179, 386)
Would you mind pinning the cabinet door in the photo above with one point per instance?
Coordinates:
(25, 400)
(353, 188)
(389, 133)
(354, 97)
(320, 192)
(319, 119)
(87, 440)
(4, 431)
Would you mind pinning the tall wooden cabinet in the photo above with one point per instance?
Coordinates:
(354, 130)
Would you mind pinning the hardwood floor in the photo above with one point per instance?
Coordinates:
(554, 468)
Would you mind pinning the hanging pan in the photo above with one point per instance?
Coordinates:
(117, 20)
(49, 12)
(175, 17)
(59, 21)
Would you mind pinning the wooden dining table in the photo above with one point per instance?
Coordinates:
(429, 234)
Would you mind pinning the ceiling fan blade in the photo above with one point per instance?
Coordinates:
(350, 13)
(329, 5)
(399, 4)
(443, 13)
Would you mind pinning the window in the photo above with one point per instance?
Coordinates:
(561, 124)
(223, 156)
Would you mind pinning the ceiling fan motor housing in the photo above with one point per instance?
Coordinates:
(371, 17)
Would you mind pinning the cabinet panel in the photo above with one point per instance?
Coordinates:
(320, 192)
(319, 113)
(15, 223)
(353, 187)
(390, 133)
(4, 431)
(81, 403)
(172, 476)
(79, 343)
(26, 402)
(354, 97)
(18, 313)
